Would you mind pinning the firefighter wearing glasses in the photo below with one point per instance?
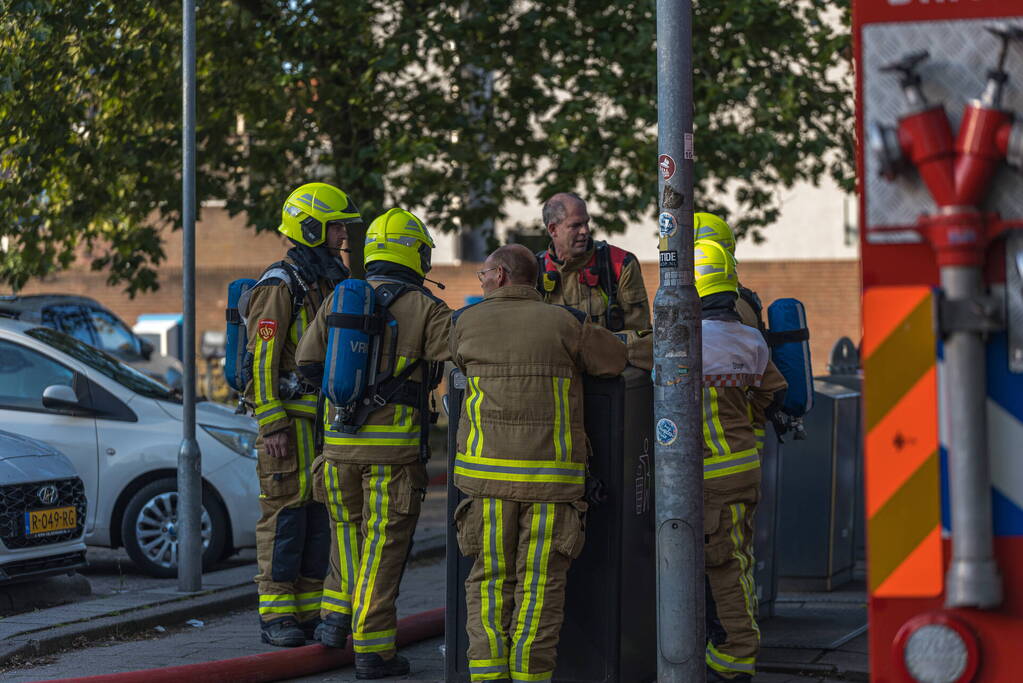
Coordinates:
(737, 376)
(374, 472)
(521, 459)
(293, 533)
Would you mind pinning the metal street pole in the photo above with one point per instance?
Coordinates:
(678, 365)
(189, 459)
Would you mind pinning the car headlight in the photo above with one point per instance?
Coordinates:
(241, 441)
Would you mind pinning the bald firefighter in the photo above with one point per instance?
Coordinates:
(521, 459)
(737, 376)
(592, 276)
(293, 533)
(376, 449)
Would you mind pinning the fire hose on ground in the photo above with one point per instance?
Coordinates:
(273, 666)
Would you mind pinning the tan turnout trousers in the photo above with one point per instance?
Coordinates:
(515, 592)
(293, 532)
(373, 510)
(728, 529)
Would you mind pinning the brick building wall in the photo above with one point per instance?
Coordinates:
(829, 289)
(226, 250)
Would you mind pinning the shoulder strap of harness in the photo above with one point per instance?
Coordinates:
(579, 315)
(610, 261)
(289, 275)
(547, 275)
(751, 298)
(398, 388)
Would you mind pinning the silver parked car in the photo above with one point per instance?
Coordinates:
(122, 432)
(89, 321)
(42, 510)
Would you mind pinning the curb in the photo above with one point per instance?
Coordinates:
(59, 590)
(49, 640)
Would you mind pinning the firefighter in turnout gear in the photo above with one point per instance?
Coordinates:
(708, 226)
(521, 459)
(374, 474)
(737, 375)
(599, 279)
(293, 532)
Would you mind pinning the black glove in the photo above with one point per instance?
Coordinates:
(596, 493)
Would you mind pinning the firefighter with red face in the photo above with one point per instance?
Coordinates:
(592, 276)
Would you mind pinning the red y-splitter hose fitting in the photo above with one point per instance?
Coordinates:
(982, 145)
(957, 176)
(272, 666)
(926, 139)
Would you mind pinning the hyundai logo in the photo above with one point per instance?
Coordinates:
(47, 495)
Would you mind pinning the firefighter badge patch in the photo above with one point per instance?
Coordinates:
(266, 329)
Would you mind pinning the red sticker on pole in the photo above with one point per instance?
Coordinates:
(667, 166)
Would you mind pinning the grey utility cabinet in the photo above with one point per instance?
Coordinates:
(817, 494)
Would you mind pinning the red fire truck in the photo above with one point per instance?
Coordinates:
(939, 117)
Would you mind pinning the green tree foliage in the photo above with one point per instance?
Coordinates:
(398, 102)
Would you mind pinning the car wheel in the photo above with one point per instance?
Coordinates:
(149, 529)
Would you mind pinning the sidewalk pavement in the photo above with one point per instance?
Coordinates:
(813, 637)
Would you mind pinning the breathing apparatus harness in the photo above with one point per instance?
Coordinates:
(603, 270)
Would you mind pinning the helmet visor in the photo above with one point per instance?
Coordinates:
(425, 256)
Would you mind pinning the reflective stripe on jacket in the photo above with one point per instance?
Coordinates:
(273, 338)
(390, 435)
(739, 380)
(520, 434)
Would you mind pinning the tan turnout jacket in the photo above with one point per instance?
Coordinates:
(572, 289)
(390, 435)
(520, 434)
(738, 377)
(273, 338)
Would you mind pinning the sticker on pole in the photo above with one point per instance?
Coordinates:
(667, 166)
(667, 225)
(669, 259)
(667, 432)
(687, 146)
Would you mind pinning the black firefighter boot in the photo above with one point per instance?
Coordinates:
(334, 630)
(309, 627)
(283, 632)
(369, 665)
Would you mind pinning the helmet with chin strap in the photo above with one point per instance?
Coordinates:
(715, 268)
(309, 209)
(400, 237)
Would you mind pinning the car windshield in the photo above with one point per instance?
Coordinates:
(104, 363)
